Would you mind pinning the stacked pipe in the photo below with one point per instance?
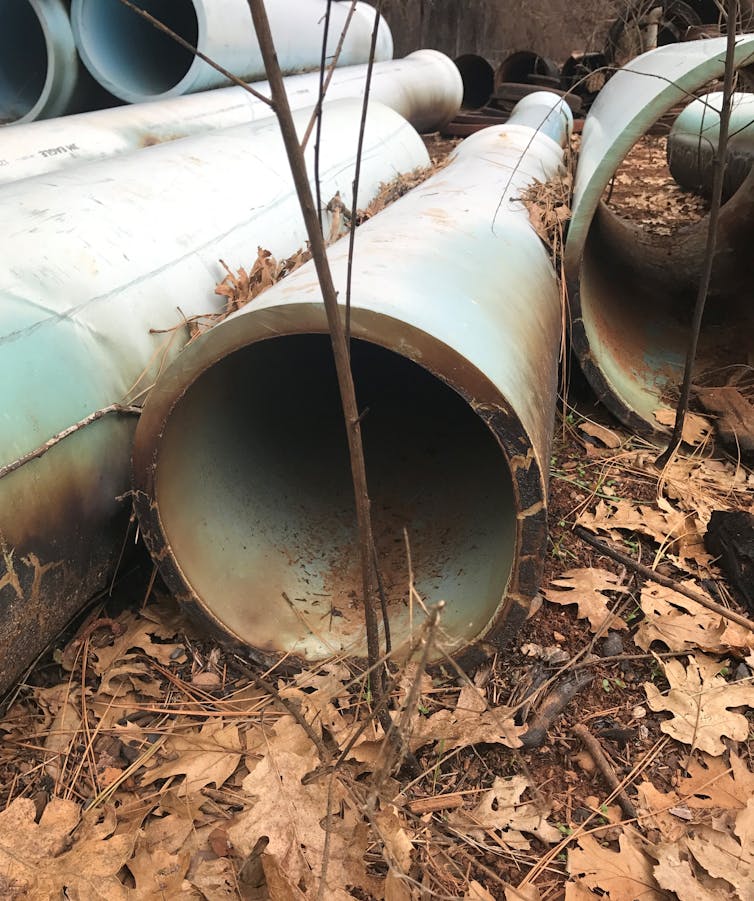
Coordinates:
(425, 88)
(240, 460)
(99, 273)
(41, 75)
(631, 292)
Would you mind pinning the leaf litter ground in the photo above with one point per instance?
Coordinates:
(140, 762)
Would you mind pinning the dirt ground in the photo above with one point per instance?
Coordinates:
(139, 761)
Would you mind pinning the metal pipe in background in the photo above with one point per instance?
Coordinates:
(478, 80)
(241, 473)
(136, 62)
(38, 60)
(693, 140)
(96, 263)
(425, 88)
(632, 293)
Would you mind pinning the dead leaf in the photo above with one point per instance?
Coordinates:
(502, 810)
(586, 588)
(701, 700)
(728, 856)
(46, 859)
(138, 633)
(477, 892)
(463, 728)
(604, 435)
(662, 526)
(293, 815)
(675, 872)
(683, 625)
(204, 757)
(626, 875)
(525, 893)
(696, 429)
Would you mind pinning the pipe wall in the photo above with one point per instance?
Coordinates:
(100, 266)
(693, 141)
(241, 471)
(632, 293)
(425, 88)
(38, 61)
(136, 62)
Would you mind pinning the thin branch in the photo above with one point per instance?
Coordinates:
(318, 112)
(709, 251)
(161, 26)
(665, 581)
(40, 451)
(606, 768)
(330, 73)
(337, 333)
(357, 170)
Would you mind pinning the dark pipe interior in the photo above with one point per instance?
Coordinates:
(131, 52)
(254, 494)
(478, 80)
(637, 292)
(23, 60)
(520, 65)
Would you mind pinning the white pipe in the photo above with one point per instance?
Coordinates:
(425, 88)
(135, 62)
(38, 61)
(93, 260)
(240, 486)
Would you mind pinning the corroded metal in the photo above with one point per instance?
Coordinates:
(631, 294)
(240, 462)
(101, 265)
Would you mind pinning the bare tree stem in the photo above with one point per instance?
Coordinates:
(357, 170)
(709, 251)
(337, 333)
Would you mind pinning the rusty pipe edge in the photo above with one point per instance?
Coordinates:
(693, 140)
(100, 266)
(241, 473)
(631, 293)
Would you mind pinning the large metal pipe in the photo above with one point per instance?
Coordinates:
(425, 88)
(136, 62)
(241, 472)
(96, 262)
(38, 61)
(631, 293)
(693, 141)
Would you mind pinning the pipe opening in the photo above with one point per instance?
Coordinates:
(254, 494)
(130, 54)
(478, 78)
(519, 66)
(23, 60)
(637, 293)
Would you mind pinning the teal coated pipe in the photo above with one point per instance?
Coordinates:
(136, 62)
(632, 292)
(693, 140)
(101, 266)
(425, 88)
(241, 473)
(39, 67)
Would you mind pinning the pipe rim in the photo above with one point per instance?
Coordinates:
(172, 66)
(52, 35)
(524, 468)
